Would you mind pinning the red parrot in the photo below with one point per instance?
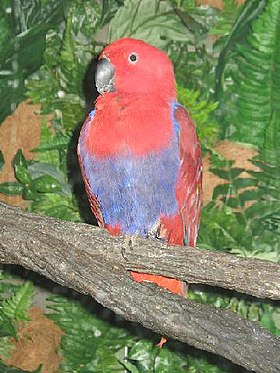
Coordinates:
(139, 152)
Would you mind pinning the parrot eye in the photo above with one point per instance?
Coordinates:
(133, 57)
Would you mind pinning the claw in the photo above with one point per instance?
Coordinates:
(161, 342)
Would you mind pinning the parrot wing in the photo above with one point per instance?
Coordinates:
(182, 229)
(93, 200)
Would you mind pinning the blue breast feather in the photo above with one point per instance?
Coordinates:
(134, 191)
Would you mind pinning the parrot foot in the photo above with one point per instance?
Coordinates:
(128, 245)
(161, 342)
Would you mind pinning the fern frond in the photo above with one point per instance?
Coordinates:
(7, 327)
(254, 93)
(17, 306)
(260, 222)
(12, 308)
(89, 344)
(270, 153)
(266, 211)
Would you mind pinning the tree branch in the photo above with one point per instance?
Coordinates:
(250, 276)
(90, 261)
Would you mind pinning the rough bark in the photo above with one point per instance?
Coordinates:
(92, 262)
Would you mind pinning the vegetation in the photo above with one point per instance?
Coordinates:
(227, 65)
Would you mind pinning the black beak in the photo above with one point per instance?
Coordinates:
(104, 77)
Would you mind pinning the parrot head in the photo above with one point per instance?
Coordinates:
(131, 66)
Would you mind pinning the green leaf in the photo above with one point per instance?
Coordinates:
(222, 189)
(231, 202)
(23, 54)
(55, 143)
(152, 21)
(32, 12)
(59, 205)
(109, 9)
(11, 188)
(30, 193)
(17, 307)
(229, 174)
(147, 357)
(129, 366)
(20, 167)
(46, 184)
(143, 354)
(19, 159)
(244, 182)
(249, 195)
(86, 19)
(38, 169)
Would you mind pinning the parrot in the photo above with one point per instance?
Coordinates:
(139, 152)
